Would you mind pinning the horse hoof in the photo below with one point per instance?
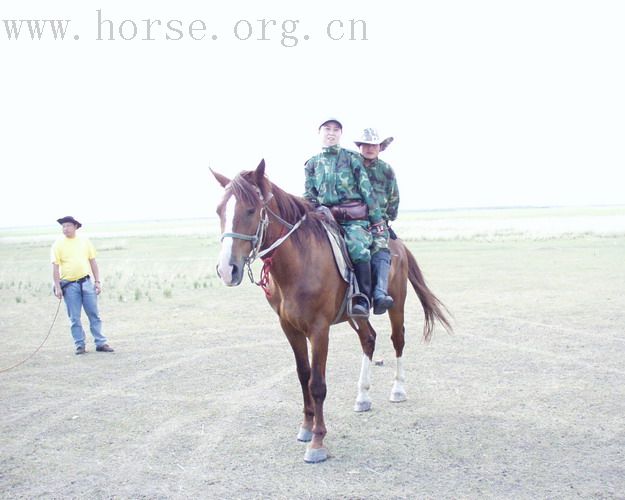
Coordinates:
(397, 397)
(361, 406)
(304, 435)
(315, 455)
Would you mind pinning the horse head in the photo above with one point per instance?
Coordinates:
(242, 220)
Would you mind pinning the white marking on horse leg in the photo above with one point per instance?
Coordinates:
(224, 267)
(304, 435)
(315, 455)
(398, 393)
(363, 400)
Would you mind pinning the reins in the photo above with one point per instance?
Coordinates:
(40, 345)
(282, 239)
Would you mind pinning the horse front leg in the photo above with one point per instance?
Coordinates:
(300, 351)
(398, 391)
(367, 336)
(315, 451)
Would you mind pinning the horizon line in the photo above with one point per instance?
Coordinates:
(406, 210)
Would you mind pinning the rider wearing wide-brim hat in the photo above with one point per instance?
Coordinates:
(372, 136)
(386, 194)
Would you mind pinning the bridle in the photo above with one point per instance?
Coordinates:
(258, 239)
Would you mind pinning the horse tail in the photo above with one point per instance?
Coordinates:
(433, 308)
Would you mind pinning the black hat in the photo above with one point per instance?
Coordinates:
(69, 218)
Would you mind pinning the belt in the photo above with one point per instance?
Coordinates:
(65, 283)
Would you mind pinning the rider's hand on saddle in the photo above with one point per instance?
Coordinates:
(377, 228)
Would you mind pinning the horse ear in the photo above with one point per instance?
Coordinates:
(222, 179)
(259, 174)
(260, 171)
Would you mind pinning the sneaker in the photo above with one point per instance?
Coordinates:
(104, 348)
(80, 349)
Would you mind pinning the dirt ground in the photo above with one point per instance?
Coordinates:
(201, 399)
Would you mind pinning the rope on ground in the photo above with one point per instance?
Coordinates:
(40, 345)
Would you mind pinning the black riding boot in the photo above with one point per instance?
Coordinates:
(380, 268)
(361, 305)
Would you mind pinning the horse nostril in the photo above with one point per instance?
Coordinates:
(235, 272)
(217, 269)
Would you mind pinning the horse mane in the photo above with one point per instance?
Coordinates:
(291, 208)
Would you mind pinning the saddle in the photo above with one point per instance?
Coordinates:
(344, 266)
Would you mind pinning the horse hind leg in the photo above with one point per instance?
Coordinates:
(367, 336)
(398, 391)
(363, 399)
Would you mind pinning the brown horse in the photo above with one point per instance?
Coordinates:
(258, 219)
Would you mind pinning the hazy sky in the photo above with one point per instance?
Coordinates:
(491, 103)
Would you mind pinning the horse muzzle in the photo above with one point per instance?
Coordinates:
(231, 274)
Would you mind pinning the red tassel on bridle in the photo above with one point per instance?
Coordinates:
(264, 276)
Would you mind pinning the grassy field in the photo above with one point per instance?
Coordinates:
(152, 260)
(200, 399)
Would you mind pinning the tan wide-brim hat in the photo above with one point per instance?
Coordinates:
(372, 136)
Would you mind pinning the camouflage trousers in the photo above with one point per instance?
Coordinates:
(358, 240)
(380, 241)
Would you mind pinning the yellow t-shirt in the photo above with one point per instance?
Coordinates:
(72, 255)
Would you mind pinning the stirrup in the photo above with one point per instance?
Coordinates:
(350, 304)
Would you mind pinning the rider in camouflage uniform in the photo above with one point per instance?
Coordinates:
(336, 176)
(386, 194)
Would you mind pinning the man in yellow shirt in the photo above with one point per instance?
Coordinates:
(77, 279)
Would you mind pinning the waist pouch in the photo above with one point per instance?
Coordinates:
(352, 210)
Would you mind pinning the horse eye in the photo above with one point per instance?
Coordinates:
(250, 211)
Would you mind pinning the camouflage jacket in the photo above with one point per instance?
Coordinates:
(385, 189)
(336, 176)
